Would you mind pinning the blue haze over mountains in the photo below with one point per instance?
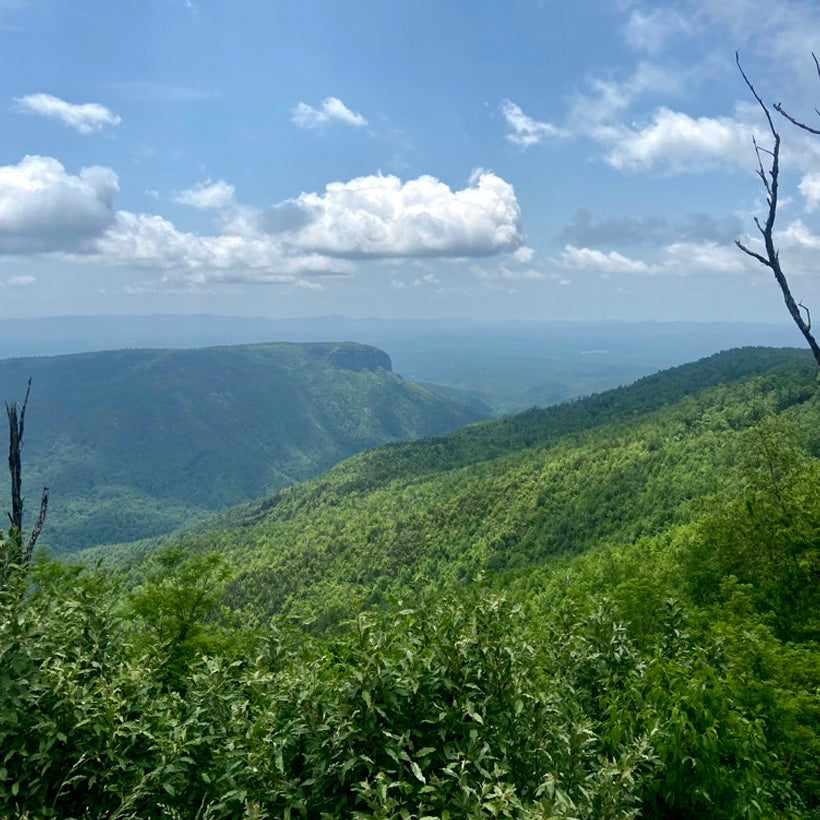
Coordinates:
(511, 365)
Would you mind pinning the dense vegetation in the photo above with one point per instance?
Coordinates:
(138, 442)
(604, 610)
(506, 494)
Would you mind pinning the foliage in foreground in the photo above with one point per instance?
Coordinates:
(470, 705)
(647, 647)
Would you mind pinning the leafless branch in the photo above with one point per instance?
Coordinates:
(760, 170)
(761, 259)
(770, 179)
(783, 113)
(755, 94)
(35, 533)
(808, 315)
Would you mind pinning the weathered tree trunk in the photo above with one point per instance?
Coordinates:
(17, 419)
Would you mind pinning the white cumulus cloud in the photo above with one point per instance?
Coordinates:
(524, 255)
(810, 188)
(332, 109)
(148, 240)
(678, 142)
(85, 118)
(526, 131)
(43, 207)
(591, 259)
(675, 142)
(206, 195)
(705, 257)
(797, 235)
(381, 216)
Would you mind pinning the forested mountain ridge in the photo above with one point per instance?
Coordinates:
(511, 365)
(605, 611)
(138, 442)
(503, 494)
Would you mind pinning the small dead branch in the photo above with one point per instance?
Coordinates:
(780, 110)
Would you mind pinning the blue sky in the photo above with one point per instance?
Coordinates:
(496, 160)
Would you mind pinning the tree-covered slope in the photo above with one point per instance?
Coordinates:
(138, 442)
(507, 494)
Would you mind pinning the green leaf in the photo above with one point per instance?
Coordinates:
(417, 771)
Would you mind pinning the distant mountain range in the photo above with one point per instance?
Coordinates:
(140, 442)
(508, 365)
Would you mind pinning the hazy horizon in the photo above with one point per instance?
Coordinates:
(512, 364)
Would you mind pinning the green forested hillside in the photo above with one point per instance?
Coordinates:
(137, 442)
(606, 610)
(508, 494)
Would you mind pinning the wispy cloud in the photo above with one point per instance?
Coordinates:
(682, 258)
(24, 281)
(590, 259)
(85, 118)
(332, 109)
(526, 131)
(810, 188)
(587, 230)
(701, 257)
(206, 195)
(651, 30)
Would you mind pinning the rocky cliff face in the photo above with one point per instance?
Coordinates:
(351, 356)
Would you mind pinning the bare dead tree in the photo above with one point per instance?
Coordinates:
(770, 179)
(17, 419)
